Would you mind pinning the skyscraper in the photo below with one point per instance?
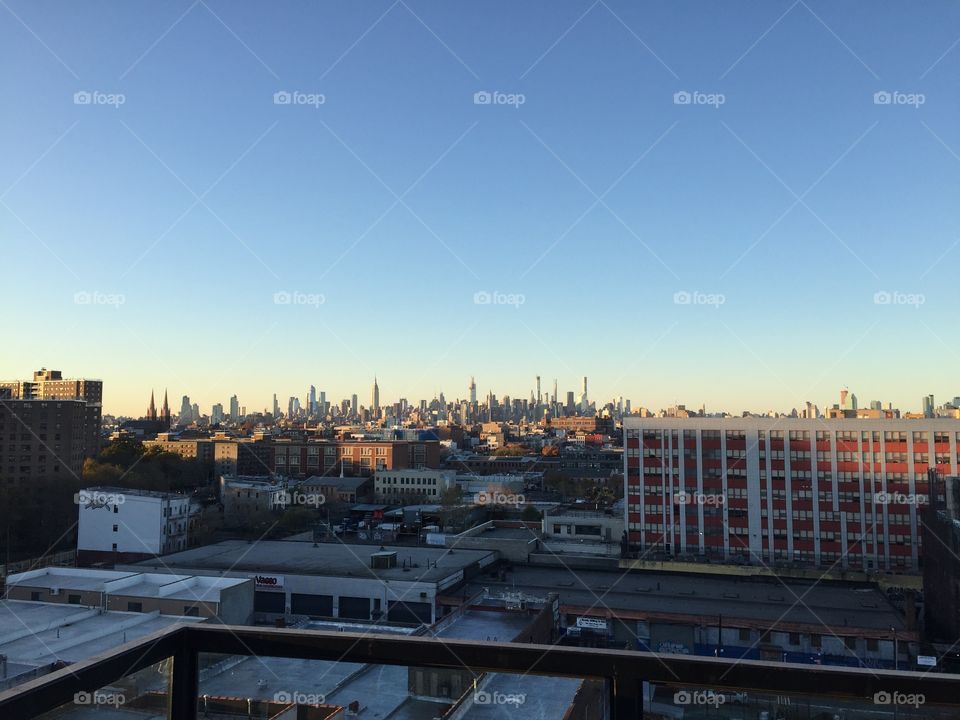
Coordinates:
(539, 396)
(312, 400)
(186, 411)
(276, 407)
(235, 408)
(473, 390)
(375, 398)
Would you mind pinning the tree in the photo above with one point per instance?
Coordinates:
(530, 514)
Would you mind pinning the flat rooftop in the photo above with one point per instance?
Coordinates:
(35, 635)
(128, 583)
(238, 557)
(734, 598)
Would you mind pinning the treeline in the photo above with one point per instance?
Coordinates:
(42, 517)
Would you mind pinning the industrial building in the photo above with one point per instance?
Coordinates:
(334, 580)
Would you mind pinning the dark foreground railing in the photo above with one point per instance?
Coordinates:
(623, 671)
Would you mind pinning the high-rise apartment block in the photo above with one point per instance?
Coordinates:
(835, 492)
(51, 385)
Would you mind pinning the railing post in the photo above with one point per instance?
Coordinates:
(186, 680)
(626, 697)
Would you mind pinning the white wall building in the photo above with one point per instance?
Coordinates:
(397, 485)
(121, 525)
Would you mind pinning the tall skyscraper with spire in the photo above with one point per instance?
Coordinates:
(375, 398)
(473, 390)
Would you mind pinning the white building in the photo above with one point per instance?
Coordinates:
(401, 485)
(121, 525)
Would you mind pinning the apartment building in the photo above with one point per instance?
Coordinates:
(122, 525)
(41, 439)
(353, 457)
(51, 385)
(820, 492)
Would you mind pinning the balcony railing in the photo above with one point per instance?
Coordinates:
(856, 693)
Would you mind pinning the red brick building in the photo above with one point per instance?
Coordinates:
(844, 492)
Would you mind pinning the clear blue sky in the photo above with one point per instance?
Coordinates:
(297, 198)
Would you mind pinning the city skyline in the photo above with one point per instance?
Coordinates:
(862, 401)
(680, 202)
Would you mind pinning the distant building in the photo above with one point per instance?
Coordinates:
(121, 525)
(51, 385)
(400, 486)
(52, 437)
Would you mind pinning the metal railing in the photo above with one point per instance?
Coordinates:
(623, 671)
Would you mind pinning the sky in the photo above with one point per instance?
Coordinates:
(746, 205)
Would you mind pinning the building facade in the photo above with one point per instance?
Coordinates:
(122, 525)
(833, 492)
(396, 486)
(51, 385)
(42, 439)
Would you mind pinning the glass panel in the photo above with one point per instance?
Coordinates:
(272, 686)
(143, 695)
(675, 701)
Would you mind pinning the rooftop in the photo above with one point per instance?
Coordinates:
(125, 582)
(240, 558)
(779, 601)
(35, 635)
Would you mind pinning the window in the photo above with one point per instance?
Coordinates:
(34, 596)
(794, 638)
(115, 527)
(73, 599)
(745, 634)
(815, 640)
(191, 611)
(134, 606)
(873, 644)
